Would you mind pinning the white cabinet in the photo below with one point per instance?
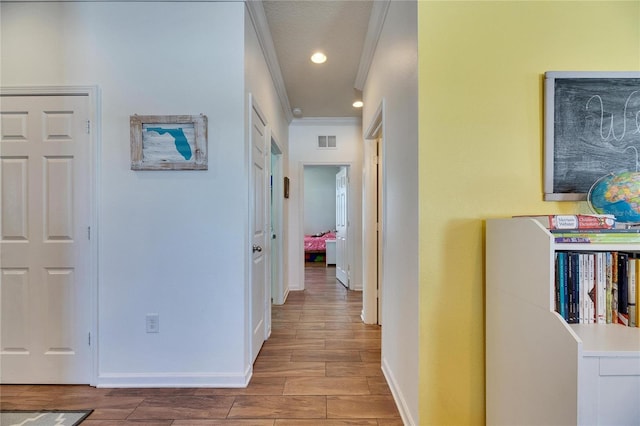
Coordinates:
(330, 255)
(539, 369)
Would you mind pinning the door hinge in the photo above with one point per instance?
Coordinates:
(88, 127)
(89, 338)
(88, 233)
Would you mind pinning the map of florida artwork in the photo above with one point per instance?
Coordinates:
(168, 142)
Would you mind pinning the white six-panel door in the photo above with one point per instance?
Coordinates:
(44, 239)
(259, 233)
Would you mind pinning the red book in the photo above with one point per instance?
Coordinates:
(576, 221)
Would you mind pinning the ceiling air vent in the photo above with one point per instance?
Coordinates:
(327, 142)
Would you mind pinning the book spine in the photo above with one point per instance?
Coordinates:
(623, 295)
(574, 290)
(631, 291)
(608, 287)
(591, 295)
(637, 293)
(580, 221)
(595, 237)
(614, 287)
(563, 284)
(601, 287)
(582, 288)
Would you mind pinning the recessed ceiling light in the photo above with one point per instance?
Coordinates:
(318, 58)
(358, 104)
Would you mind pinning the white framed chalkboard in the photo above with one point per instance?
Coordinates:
(591, 128)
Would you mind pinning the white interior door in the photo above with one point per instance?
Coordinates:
(45, 200)
(259, 233)
(342, 268)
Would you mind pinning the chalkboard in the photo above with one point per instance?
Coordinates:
(592, 128)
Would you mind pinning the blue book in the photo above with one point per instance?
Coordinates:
(561, 277)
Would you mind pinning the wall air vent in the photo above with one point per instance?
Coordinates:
(327, 142)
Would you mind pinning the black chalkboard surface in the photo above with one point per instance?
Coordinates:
(592, 128)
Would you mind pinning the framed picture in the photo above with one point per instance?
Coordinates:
(591, 129)
(168, 142)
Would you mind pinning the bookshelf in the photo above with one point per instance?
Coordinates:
(539, 369)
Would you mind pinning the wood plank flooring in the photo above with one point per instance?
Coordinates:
(321, 366)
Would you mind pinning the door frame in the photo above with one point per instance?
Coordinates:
(93, 94)
(278, 292)
(373, 245)
(350, 220)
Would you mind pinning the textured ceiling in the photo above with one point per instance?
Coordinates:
(338, 28)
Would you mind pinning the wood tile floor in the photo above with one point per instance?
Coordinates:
(321, 366)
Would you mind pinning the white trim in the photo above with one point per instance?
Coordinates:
(350, 241)
(377, 122)
(93, 94)
(277, 221)
(174, 380)
(398, 397)
(260, 24)
(370, 267)
(376, 22)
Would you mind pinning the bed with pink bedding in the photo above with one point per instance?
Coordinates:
(315, 246)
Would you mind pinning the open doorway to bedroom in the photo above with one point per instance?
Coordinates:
(325, 225)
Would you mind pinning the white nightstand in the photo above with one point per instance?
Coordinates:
(330, 256)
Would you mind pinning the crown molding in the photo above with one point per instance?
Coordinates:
(376, 21)
(259, 19)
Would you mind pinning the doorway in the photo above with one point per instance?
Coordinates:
(373, 220)
(325, 223)
(278, 293)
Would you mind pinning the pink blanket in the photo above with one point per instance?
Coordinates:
(312, 243)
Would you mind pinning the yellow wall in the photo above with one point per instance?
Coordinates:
(481, 67)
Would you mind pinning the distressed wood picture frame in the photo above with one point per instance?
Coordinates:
(168, 142)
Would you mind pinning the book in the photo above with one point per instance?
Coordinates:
(573, 287)
(575, 221)
(623, 282)
(601, 287)
(631, 290)
(637, 293)
(608, 297)
(596, 231)
(561, 284)
(588, 237)
(614, 287)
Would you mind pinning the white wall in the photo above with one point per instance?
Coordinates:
(170, 242)
(260, 90)
(303, 139)
(319, 199)
(393, 77)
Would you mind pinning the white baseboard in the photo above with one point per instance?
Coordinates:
(401, 403)
(174, 380)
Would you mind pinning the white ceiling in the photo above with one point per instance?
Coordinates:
(336, 27)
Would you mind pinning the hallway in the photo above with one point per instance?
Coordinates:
(321, 366)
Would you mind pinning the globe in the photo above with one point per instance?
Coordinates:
(617, 194)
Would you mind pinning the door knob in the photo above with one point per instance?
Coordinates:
(257, 248)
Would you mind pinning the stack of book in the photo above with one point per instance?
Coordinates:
(586, 228)
(598, 287)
